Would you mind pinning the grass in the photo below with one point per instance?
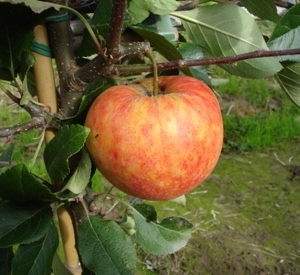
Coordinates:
(245, 217)
(256, 113)
(24, 144)
(259, 132)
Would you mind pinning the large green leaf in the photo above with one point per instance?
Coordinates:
(264, 9)
(289, 79)
(6, 256)
(289, 21)
(290, 40)
(14, 40)
(139, 10)
(35, 6)
(166, 237)
(17, 183)
(23, 223)
(81, 177)
(286, 35)
(105, 248)
(227, 30)
(68, 141)
(36, 258)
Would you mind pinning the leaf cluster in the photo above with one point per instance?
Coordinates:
(27, 212)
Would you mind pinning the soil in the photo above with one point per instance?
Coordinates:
(246, 218)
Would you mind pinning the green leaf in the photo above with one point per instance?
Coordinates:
(191, 51)
(6, 256)
(264, 9)
(158, 42)
(105, 248)
(92, 90)
(6, 157)
(162, 25)
(289, 79)
(17, 183)
(81, 177)
(23, 223)
(227, 30)
(139, 10)
(68, 141)
(14, 39)
(166, 237)
(290, 40)
(99, 23)
(148, 211)
(58, 267)
(17, 20)
(27, 62)
(289, 21)
(36, 258)
(35, 6)
(286, 34)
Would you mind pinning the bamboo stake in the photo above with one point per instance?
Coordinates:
(44, 76)
(68, 239)
(45, 85)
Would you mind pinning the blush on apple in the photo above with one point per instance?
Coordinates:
(156, 147)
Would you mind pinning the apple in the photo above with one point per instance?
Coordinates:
(156, 147)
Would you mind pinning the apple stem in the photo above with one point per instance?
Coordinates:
(150, 55)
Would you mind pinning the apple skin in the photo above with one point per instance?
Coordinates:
(156, 147)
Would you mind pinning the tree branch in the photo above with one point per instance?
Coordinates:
(115, 29)
(99, 67)
(61, 40)
(116, 48)
(178, 64)
(39, 119)
(34, 123)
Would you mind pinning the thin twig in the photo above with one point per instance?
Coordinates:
(101, 67)
(34, 123)
(279, 160)
(39, 119)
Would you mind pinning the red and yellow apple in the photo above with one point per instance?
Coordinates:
(156, 147)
